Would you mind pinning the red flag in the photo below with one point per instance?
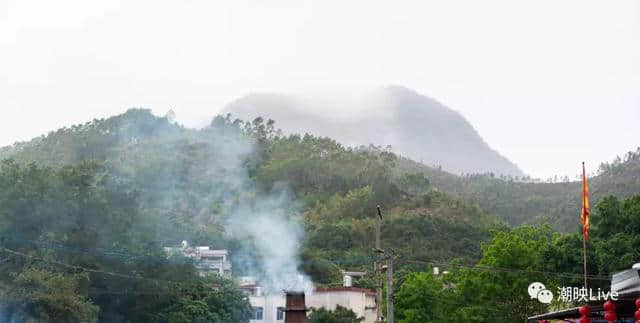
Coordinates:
(584, 216)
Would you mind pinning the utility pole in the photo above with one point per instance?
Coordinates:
(390, 288)
(378, 268)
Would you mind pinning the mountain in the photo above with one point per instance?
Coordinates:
(187, 180)
(93, 140)
(140, 183)
(414, 125)
(152, 143)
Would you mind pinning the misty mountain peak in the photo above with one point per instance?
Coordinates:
(415, 125)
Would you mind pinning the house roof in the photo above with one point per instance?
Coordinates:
(625, 308)
(344, 289)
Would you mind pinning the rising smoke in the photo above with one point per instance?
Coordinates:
(265, 223)
(261, 227)
(265, 228)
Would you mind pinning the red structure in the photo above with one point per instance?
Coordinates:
(584, 314)
(626, 284)
(295, 310)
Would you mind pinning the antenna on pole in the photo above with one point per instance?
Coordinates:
(378, 268)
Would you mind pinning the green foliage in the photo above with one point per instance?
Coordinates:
(495, 290)
(225, 303)
(614, 239)
(414, 184)
(58, 223)
(419, 299)
(355, 204)
(503, 294)
(187, 310)
(93, 140)
(317, 168)
(613, 216)
(54, 297)
(318, 267)
(443, 229)
(339, 315)
(523, 200)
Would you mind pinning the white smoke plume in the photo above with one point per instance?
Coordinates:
(265, 223)
(260, 228)
(276, 238)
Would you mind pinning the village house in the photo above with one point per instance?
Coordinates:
(206, 260)
(271, 308)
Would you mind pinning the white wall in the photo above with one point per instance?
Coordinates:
(270, 306)
(359, 302)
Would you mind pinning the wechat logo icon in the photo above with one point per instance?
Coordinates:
(540, 292)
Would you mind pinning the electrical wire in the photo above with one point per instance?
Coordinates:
(123, 254)
(512, 270)
(96, 271)
(96, 291)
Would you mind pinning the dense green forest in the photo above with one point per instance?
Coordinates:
(76, 246)
(86, 210)
(521, 201)
(513, 199)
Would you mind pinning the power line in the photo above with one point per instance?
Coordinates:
(173, 292)
(68, 265)
(512, 270)
(364, 260)
(96, 271)
(96, 291)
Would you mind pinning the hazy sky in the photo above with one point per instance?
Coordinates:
(546, 83)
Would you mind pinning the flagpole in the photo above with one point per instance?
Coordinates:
(584, 252)
(584, 236)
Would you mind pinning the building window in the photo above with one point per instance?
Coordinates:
(257, 313)
(280, 314)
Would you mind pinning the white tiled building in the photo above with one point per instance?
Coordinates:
(207, 260)
(213, 261)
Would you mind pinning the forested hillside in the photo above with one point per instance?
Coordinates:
(76, 246)
(514, 199)
(520, 201)
(89, 207)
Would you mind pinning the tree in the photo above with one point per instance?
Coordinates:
(419, 299)
(500, 295)
(339, 315)
(227, 302)
(187, 310)
(54, 297)
(80, 217)
(614, 241)
(414, 183)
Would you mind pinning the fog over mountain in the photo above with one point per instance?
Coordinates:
(414, 125)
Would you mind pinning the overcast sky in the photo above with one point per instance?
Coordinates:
(546, 83)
